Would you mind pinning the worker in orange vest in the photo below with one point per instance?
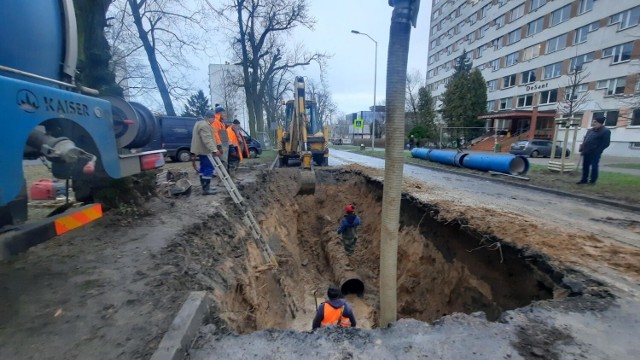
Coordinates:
(220, 131)
(237, 145)
(335, 312)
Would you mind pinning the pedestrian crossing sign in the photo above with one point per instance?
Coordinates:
(358, 124)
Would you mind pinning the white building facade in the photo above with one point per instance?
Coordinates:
(527, 50)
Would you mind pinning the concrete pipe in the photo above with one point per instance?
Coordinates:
(343, 274)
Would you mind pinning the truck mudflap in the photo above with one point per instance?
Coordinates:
(21, 238)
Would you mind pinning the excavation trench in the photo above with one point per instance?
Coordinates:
(442, 266)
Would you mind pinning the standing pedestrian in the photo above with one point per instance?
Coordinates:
(203, 144)
(220, 131)
(335, 312)
(237, 145)
(411, 142)
(348, 228)
(595, 141)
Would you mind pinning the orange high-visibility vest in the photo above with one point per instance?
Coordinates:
(233, 139)
(218, 125)
(333, 316)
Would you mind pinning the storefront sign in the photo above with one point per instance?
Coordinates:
(535, 87)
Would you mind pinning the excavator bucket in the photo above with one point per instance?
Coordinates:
(307, 182)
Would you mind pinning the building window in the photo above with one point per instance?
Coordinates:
(491, 105)
(505, 103)
(512, 59)
(531, 52)
(508, 81)
(556, 43)
(471, 37)
(535, 26)
(492, 85)
(535, 4)
(612, 86)
(499, 21)
(502, 2)
(548, 97)
(472, 19)
(528, 76)
(495, 65)
(619, 53)
(581, 33)
(497, 43)
(432, 59)
(459, 28)
(578, 61)
(626, 19)
(585, 5)
(483, 11)
(483, 31)
(525, 100)
(635, 118)
(560, 15)
(611, 117)
(577, 92)
(517, 13)
(552, 71)
(514, 37)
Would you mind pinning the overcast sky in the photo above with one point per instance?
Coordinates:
(351, 68)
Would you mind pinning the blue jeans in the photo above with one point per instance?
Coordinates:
(206, 167)
(590, 161)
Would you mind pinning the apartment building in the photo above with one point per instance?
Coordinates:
(527, 51)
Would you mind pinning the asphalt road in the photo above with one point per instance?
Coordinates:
(606, 222)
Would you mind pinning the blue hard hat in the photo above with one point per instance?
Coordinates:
(219, 109)
(209, 114)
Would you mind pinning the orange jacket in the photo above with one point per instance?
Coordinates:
(218, 125)
(333, 316)
(233, 139)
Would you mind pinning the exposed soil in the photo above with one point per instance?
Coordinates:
(110, 290)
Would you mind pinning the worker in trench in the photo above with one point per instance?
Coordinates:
(335, 312)
(348, 228)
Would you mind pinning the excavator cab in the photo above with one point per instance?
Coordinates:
(303, 137)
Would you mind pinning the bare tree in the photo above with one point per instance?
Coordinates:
(322, 95)
(574, 99)
(162, 32)
(260, 46)
(277, 86)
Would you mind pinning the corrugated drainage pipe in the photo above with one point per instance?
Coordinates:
(343, 274)
(506, 164)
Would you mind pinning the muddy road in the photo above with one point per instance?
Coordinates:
(477, 278)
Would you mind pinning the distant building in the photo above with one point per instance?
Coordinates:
(367, 116)
(525, 50)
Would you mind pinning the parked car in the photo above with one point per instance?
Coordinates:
(535, 148)
(174, 135)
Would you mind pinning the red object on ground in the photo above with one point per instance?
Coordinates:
(43, 189)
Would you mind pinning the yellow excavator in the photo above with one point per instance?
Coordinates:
(303, 137)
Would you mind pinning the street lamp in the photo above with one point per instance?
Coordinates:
(375, 76)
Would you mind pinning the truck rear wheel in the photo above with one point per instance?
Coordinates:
(183, 156)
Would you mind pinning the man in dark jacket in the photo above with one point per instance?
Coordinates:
(594, 143)
(348, 228)
(335, 312)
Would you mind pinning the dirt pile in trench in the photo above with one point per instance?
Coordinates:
(443, 268)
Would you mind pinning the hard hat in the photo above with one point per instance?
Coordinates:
(349, 209)
(209, 114)
(219, 109)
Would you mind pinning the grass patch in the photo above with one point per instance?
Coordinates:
(625, 166)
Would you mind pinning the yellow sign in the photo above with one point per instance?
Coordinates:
(358, 124)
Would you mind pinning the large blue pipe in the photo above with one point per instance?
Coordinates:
(506, 164)
(421, 153)
(446, 157)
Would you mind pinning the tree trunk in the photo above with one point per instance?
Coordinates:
(399, 34)
(93, 49)
(153, 61)
(250, 111)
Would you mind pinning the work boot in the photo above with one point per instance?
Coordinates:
(206, 187)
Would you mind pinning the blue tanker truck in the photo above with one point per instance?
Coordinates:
(45, 113)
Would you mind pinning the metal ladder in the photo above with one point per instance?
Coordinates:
(248, 219)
